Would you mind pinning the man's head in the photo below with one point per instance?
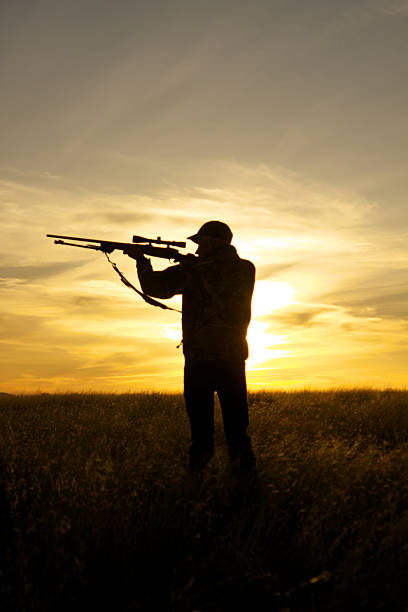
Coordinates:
(211, 236)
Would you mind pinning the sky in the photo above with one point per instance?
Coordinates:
(285, 119)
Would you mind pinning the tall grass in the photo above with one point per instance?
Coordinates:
(98, 507)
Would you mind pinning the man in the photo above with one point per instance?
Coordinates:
(217, 290)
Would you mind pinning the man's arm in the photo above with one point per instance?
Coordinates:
(161, 284)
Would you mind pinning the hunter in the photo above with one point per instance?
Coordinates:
(216, 289)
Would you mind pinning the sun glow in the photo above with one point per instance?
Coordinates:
(172, 331)
(261, 344)
(269, 296)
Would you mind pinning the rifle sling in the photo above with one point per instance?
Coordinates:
(146, 298)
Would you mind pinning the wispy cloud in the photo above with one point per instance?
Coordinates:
(29, 174)
(307, 240)
(297, 315)
(273, 270)
(394, 7)
(384, 296)
(38, 272)
(37, 352)
(9, 186)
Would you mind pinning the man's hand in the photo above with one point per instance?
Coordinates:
(107, 248)
(135, 252)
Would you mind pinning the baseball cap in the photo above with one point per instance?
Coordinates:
(215, 229)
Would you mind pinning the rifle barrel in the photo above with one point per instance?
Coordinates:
(86, 239)
(82, 246)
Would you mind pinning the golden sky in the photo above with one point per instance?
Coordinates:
(285, 119)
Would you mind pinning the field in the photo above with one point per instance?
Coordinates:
(98, 507)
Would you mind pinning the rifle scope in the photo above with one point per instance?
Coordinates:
(158, 240)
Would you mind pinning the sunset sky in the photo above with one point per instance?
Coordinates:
(287, 119)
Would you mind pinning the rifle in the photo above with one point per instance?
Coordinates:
(146, 244)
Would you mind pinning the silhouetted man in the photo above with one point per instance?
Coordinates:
(217, 290)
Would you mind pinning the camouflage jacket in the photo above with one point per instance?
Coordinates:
(217, 293)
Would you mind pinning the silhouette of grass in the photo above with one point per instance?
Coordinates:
(98, 507)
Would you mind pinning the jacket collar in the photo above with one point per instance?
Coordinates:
(226, 252)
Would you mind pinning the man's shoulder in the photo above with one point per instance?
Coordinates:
(246, 266)
(233, 253)
(246, 263)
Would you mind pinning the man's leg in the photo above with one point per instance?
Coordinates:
(232, 392)
(199, 400)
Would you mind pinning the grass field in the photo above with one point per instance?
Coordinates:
(98, 507)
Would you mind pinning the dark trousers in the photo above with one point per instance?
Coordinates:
(201, 380)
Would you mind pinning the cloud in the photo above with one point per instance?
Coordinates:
(29, 364)
(30, 174)
(394, 8)
(387, 306)
(37, 272)
(213, 188)
(268, 271)
(297, 316)
(21, 327)
(69, 312)
(117, 217)
(41, 352)
(39, 332)
(382, 295)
